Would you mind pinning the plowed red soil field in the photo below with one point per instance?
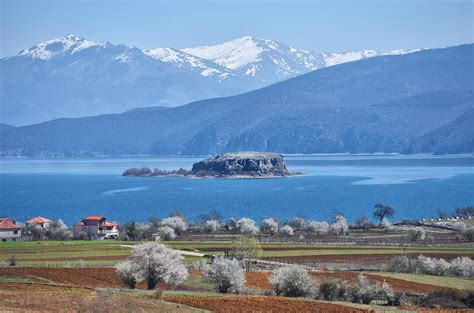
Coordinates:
(107, 278)
(83, 277)
(260, 304)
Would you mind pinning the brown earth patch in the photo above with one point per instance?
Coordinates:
(75, 258)
(260, 304)
(79, 300)
(83, 277)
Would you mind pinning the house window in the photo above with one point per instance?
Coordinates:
(15, 232)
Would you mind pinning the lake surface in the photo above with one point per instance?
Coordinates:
(74, 188)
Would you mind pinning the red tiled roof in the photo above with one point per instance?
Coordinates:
(94, 218)
(8, 223)
(110, 224)
(79, 224)
(38, 219)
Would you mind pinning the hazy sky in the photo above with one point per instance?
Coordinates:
(310, 25)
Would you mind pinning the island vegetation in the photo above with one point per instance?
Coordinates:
(229, 165)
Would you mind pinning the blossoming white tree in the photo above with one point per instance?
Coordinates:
(166, 233)
(463, 266)
(175, 222)
(129, 273)
(212, 226)
(270, 226)
(340, 225)
(246, 226)
(227, 274)
(287, 230)
(154, 262)
(292, 281)
(320, 228)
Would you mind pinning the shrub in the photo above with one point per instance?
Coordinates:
(246, 226)
(432, 266)
(128, 273)
(363, 222)
(292, 281)
(445, 298)
(199, 265)
(363, 291)
(166, 233)
(469, 234)
(212, 226)
(400, 264)
(13, 260)
(156, 263)
(463, 266)
(59, 231)
(287, 230)
(176, 223)
(82, 236)
(384, 292)
(459, 226)
(417, 234)
(334, 290)
(270, 226)
(227, 274)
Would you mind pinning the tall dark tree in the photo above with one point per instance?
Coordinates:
(382, 211)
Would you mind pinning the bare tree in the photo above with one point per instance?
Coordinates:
(382, 211)
(247, 247)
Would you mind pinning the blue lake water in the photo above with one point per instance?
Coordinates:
(73, 188)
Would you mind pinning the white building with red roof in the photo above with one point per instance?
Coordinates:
(96, 227)
(10, 230)
(39, 220)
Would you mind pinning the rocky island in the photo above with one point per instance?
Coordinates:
(228, 165)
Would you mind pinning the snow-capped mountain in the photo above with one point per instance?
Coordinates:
(72, 77)
(68, 44)
(264, 60)
(270, 61)
(190, 62)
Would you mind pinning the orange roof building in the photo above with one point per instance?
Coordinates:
(96, 227)
(9, 230)
(38, 220)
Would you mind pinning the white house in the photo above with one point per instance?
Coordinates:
(9, 230)
(96, 227)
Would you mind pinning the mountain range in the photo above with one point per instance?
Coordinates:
(422, 102)
(74, 77)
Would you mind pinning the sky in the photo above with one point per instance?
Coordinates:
(334, 26)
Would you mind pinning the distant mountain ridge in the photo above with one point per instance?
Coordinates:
(421, 102)
(74, 77)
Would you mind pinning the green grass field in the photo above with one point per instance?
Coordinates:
(108, 253)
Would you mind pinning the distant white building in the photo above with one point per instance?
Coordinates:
(9, 230)
(96, 227)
